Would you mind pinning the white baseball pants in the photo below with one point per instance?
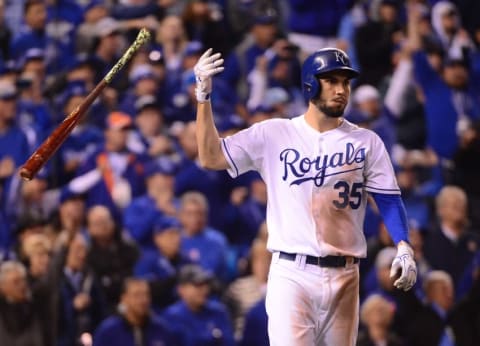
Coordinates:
(308, 305)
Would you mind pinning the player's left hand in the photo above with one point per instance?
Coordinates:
(404, 262)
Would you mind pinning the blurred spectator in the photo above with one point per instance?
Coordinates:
(93, 12)
(105, 46)
(81, 305)
(69, 218)
(243, 293)
(26, 226)
(85, 137)
(403, 97)
(375, 41)
(375, 244)
(150, 135)
(22, 322)
(34, 113)
(465, 317)
(416, 236)
(161, 265)
(5, 36)
(63, 20)
(350, 21)
(376, 316)
(467, 170)
(172, 40)
(204, 22)
(81, 71)
(240, 15)
(14, 147)
(256, 325)
(215, 185)
(36, 252)
(33, 198)
(450, 34)
(135, 15)
(412, 180)
(142, 81)
(112, 175)
(450, 246)
(33, 33)
(449, 95)
(111, 255)
(246, 212)
(238, 64)
(313, 25)
(200, 243)
(430, 326)
(202, 321)
(276, 72)
(141, 214)
(405, 303)
(135, 324)
(378, 278)
(369, 111)
(230, 124)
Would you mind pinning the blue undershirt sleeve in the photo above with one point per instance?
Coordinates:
(394, 215)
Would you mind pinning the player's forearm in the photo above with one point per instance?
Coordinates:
(394, 216)
(209, 143)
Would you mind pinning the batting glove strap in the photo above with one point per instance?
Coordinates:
(203, 89)
(404, 262)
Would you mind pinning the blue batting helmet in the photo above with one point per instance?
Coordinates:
(323, 61)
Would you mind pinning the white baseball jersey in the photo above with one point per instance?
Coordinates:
(316, 182)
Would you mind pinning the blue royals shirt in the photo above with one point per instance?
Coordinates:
(116, 331)
(208, 249)
(209, 326)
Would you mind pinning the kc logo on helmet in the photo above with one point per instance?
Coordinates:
(341, 57)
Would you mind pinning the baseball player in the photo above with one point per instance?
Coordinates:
(318, 168)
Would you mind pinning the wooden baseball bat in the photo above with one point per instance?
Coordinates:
(40, 157)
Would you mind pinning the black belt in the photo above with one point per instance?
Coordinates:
(327, 261)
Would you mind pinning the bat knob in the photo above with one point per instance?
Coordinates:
(26, 174)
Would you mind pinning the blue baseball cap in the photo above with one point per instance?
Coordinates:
(164, 223)
(267, 17)
(67, 195)
(165, 167)
(73, 88)
(193, 48)
(230, 122)
(194, 274)
(146, 101)
(142, 71)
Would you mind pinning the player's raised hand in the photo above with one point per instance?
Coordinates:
(207, 66)
(404, 262)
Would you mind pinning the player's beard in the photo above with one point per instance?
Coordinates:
(331, 112)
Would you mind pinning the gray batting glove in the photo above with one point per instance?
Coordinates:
(406, 264)
(207, 66)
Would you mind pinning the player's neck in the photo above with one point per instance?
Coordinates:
(321, 122)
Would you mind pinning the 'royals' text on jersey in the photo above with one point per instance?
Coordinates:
(317, 182)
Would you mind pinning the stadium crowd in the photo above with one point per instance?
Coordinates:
(123, 239)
